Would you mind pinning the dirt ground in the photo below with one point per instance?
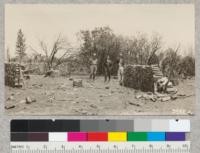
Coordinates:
(57, 96)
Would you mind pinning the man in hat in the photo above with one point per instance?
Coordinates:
(93, 66)
(121, 69)
(107, 69)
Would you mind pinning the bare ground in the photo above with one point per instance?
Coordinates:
(57, 96)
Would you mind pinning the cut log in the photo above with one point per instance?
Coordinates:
(77, 83)
(9, 106)
(171, 90)
(166, 99)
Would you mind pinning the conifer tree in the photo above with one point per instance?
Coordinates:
(20, 45)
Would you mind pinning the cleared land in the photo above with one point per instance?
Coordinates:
(57, 96)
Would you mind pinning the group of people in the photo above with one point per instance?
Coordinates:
(107, 64)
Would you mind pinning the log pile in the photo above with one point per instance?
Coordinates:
(139, 77)
(157, 73)
(12, 75)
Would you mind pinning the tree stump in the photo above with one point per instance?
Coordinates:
(77, 83)
(52, 73)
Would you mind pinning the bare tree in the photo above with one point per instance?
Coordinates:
(51, 57)
(59, 45)
(155, 46)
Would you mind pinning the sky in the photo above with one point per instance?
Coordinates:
(174, 22)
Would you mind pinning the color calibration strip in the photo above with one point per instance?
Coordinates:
(99, 136)
(99, 130)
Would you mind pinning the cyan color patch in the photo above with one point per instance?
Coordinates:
(156, 136)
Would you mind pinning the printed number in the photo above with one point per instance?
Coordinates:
(185, 145)
(98, 146)
(45, 146)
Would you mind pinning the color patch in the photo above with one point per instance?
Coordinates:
(159, 125)
(117, 136)
(106, 125)
(19, 126)
(142, 125)
(38, 136)
(179, 125)
(124, 125)
(57, 136)
(77, 136)
(156, 136)
(89, 125)
(19, 137)
(97, 136)
(137, 136)
(175, 136)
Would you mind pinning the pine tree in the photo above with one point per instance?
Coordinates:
(8, 54)
(20, 45)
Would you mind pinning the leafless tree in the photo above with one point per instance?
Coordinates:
(59, 45)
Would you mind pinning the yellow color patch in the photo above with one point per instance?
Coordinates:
(117, 136)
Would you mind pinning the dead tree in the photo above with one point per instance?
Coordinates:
(155, 46)
(49, 54)
(60, 45)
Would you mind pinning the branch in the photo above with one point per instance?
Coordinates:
(33, 49)
(44, 48)
(59, 60)
(178, 47)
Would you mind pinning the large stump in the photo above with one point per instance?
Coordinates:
(139, 77)
(77, 83)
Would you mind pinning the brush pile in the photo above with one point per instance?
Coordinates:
(12, 74)
(139, 77)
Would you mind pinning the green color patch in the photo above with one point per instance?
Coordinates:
(137, 136)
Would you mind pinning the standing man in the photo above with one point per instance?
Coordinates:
(93, 66)
(107, 68)
(121, 69)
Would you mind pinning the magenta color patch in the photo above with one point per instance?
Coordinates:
(77, 136)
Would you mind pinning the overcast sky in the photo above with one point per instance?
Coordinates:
(174, 22)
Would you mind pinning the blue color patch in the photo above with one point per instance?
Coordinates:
(156, 136)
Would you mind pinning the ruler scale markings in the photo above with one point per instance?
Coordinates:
(114, 151)
(144, 149)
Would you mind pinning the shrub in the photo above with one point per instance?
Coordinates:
(187, 66)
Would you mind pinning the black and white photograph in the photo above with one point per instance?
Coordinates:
(99, 59)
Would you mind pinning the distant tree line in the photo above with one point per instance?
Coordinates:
(139, 49)
(174, 65)
(136, 50)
